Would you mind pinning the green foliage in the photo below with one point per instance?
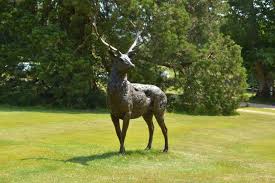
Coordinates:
(216, 82)
(251, 24)
(50, 55)
(56, 75)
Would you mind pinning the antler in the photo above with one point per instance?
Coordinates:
(112, 48)
(135, 44)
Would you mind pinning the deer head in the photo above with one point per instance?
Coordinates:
(121, 61)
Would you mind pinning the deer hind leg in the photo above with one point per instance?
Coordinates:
(148, 117)
(125, 125)
(160, 119)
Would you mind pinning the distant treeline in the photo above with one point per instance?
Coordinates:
(50, 55)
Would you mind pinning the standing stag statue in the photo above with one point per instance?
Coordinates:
(127, 100)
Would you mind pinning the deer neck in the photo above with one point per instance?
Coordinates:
(117, 78)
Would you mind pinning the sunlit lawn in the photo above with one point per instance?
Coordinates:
(73, 146)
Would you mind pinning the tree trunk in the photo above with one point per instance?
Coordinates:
(273, 91)
(46, 9)
(272, 86)
(263, 81)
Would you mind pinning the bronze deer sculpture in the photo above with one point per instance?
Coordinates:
(127, 100)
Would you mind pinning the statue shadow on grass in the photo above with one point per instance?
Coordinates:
(84, 160)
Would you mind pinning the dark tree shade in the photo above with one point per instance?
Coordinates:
(50, 54)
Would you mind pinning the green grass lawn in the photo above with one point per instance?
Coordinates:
(74, 146)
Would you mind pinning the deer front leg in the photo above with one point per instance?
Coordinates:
(126, 120)
(117, 127)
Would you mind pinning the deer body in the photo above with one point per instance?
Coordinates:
(135, 99)
(127, 100)
(131, 100)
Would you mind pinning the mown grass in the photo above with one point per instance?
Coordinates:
(38, 145)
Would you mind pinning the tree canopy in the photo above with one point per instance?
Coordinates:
(251, 24)
(50, 54)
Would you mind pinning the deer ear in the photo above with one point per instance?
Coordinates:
(113, 53)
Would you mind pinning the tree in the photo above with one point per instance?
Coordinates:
(69, 65)
(215, 84)
(32, 34)
(251, 24)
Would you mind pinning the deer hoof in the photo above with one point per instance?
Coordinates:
(165, 150)
(122, 151)
(147, 148)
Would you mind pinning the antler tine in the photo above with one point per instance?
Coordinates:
(102, 40)
(135, 44)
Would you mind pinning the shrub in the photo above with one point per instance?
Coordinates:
(215, 84)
